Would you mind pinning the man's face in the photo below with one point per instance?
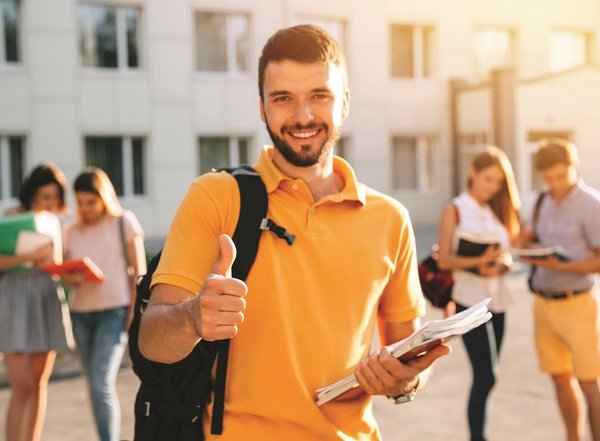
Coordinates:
(303, 106)
(560, 179)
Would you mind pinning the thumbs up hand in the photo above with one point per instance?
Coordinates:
(219, 308)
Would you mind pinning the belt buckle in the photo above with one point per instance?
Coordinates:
(569, 294)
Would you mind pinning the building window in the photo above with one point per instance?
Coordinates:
(109, 36)
(223, 42)
(122, 158)
(469, 146)
(412, 162)
(9, 31)
(12, 166)
(335, 27)
(569, 49)
(221, 151)
(494, 48)
(411, 55)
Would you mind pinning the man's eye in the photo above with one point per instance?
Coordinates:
(281, 99)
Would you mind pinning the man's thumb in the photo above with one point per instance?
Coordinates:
(226, 257)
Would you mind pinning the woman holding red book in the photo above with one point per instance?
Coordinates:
(112, 238)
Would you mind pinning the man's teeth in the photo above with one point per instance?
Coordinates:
(304, 134)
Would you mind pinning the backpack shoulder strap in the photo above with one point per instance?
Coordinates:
(253, 209)
(536, 213)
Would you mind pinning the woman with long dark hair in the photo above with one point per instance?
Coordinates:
(31, 320)
(113, 239)
(489, 207)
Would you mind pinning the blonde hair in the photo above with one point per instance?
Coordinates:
(506, 203)
(95, 180)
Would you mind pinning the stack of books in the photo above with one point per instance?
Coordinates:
(428, 336)
(25, 232)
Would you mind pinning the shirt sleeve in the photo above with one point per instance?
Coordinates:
(209, 209)
(592, 226)
(132, 226)
(402, 299)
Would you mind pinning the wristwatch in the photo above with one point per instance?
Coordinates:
(407, 397)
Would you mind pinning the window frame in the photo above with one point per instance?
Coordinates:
(228, 73)
(423, 51)
(421, 140)
(121, 10)
(4, 63)
(6, 173)
(127, 162)
(232, 149)
(588, 41)
(513, 55)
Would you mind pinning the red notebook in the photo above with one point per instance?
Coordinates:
(84, 265)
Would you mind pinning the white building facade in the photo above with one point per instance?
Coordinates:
(157, 92)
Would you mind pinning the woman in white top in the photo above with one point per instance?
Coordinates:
(113, 239)
(489, 206)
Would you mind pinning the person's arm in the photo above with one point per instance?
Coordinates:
(41, 254)
(587, 266)
(450, 261)
(382, 374)
(176, 319)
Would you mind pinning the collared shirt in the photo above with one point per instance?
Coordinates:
(574, 225)
(311, 307)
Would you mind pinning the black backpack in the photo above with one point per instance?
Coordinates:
(171, 400)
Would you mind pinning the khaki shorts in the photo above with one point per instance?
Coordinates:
(567, 335)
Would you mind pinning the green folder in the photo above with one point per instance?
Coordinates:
(10, 227)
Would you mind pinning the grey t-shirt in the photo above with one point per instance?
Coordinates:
(573, 224)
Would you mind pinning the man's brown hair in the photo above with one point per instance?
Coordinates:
(554, 151)
(302, 43)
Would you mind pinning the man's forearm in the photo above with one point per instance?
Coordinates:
(167, 332)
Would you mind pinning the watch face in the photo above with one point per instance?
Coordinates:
(402, 398)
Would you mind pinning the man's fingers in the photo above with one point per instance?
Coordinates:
(422, 362)
(227, 253)
(219, 285)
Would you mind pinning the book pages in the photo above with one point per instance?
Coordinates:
(428, 336)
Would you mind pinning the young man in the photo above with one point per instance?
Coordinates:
(566, 307)
(305, 316)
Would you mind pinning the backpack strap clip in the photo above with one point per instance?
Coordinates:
(282, 233)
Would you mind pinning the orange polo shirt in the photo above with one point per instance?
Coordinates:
(311, 307)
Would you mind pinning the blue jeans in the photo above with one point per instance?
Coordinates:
(101, 341)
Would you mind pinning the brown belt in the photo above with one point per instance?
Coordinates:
(558, 295)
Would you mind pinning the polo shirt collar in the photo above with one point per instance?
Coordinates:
(272, 176)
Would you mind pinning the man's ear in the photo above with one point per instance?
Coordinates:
(262, 111)
(346, 104)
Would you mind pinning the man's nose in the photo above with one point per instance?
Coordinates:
(303, 112)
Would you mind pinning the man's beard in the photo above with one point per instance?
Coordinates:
(304, 158)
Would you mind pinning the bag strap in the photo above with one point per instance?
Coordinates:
(534, 219)
(128, 266)
(536, 213)
(253, 209)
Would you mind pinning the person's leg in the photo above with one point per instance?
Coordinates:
(591, 393)
(43, 363)
(83, 331)
(28, 375)
(570, 405)
(107, 352)
(483, 355)
(18, 367)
